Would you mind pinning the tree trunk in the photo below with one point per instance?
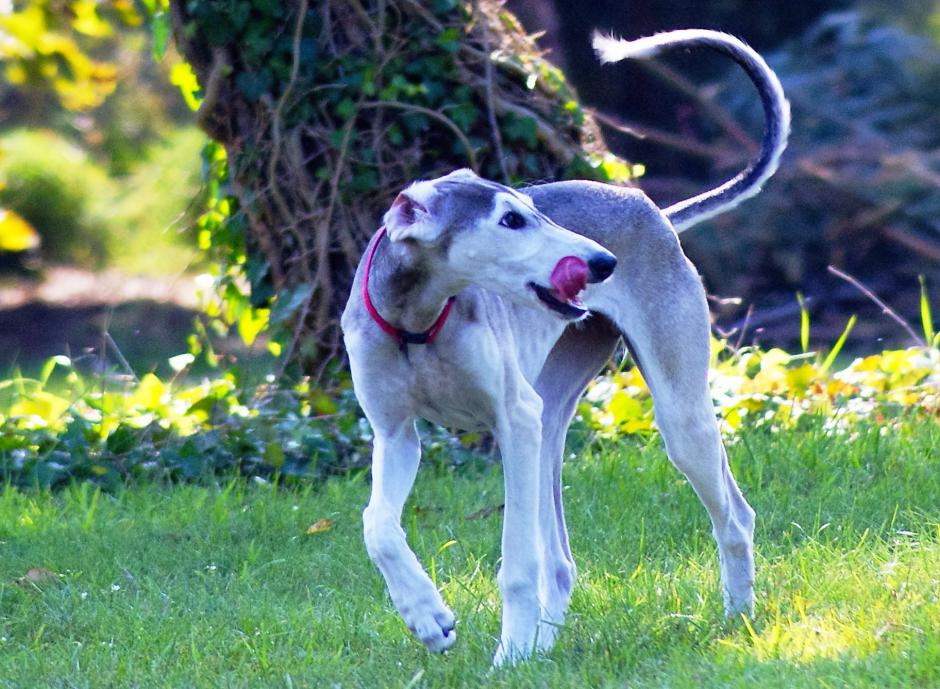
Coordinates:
(327, 109)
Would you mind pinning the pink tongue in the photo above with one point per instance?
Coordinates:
(569, 277)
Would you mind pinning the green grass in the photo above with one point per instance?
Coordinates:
(222, 587)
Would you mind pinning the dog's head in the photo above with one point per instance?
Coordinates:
(486, 234)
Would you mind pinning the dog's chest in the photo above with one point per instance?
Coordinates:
(455, 386)
(448, 397)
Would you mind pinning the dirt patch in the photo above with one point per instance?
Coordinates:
(67, 286)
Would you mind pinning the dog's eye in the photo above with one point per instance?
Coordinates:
(512, 220)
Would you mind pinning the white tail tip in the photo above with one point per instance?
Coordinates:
(610, 49)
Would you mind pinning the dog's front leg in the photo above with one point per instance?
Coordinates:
(519, 434)
(395, 457)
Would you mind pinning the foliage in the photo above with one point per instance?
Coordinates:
(327, 110)
(84, 216)
(859, 188)
(63, 425)
(226, 585)
(154, 207)
(752, 387)
(16, 234)
(59, 191)
(48, 46)
(756, 388)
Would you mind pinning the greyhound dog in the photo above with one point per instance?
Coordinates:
(478, 306)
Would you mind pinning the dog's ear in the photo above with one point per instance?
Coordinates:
(410, 217)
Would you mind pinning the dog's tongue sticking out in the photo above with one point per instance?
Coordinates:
(569, 277)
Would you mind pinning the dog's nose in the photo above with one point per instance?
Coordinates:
(601, 266)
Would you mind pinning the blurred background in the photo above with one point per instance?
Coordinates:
(100, 167)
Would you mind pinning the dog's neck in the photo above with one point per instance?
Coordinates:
(405, 288)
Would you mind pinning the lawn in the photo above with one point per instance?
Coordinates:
(223, 586)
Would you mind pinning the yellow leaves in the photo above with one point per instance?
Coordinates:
(799, 379)
(87, 21)
(616, 169)
(625, 404)
(41, 407)
(149, 393)
(37, 577)
(40, 47)
(29, 404)
(15, 233)
(183, 76)
(251, 322)
(320, 526)
(629, 414)
(754, 387)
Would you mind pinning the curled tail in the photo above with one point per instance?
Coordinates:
(776, 114)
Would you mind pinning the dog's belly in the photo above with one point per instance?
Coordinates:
(453, 411)
(454, 419)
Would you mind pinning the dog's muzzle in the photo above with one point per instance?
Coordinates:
(570, 276)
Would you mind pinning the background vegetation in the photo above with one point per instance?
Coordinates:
(213, 484)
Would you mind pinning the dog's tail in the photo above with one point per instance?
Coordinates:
(776, 114)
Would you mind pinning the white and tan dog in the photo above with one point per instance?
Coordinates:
(470, 309)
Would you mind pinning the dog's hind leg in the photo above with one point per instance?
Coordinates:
(395, 457)
(686, 418)
(573, 362)
(667, 329)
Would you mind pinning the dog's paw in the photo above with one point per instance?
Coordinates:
(740, 601)
(508, 653)
(547, 634)
(432, 622)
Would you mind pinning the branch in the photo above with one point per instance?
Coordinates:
(217, 74)
(490, 109)
(547, 134)
(716, 112)
(440, 117)
(716, 154)
(885, 309)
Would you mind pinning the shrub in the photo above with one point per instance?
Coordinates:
(59, 191)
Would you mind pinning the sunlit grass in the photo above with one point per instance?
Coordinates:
(223, 586)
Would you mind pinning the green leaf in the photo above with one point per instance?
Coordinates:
(149, 393)
(274, 454)
(926, 319)
(50, 365)
(804, 323)
(160, 32)
(838, 346)
(43, 405)
(521, 129)
(122, 440)
(288, 302)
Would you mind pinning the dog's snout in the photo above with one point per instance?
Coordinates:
(601, 266)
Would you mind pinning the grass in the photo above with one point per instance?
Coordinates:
(222, 586)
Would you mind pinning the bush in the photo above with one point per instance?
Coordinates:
(154, 206)
(59, 191)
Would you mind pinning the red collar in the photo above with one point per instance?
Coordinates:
(402, 337)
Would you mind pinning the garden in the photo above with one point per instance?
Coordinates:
(185, 189)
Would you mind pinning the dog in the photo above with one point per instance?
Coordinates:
(470, 309)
